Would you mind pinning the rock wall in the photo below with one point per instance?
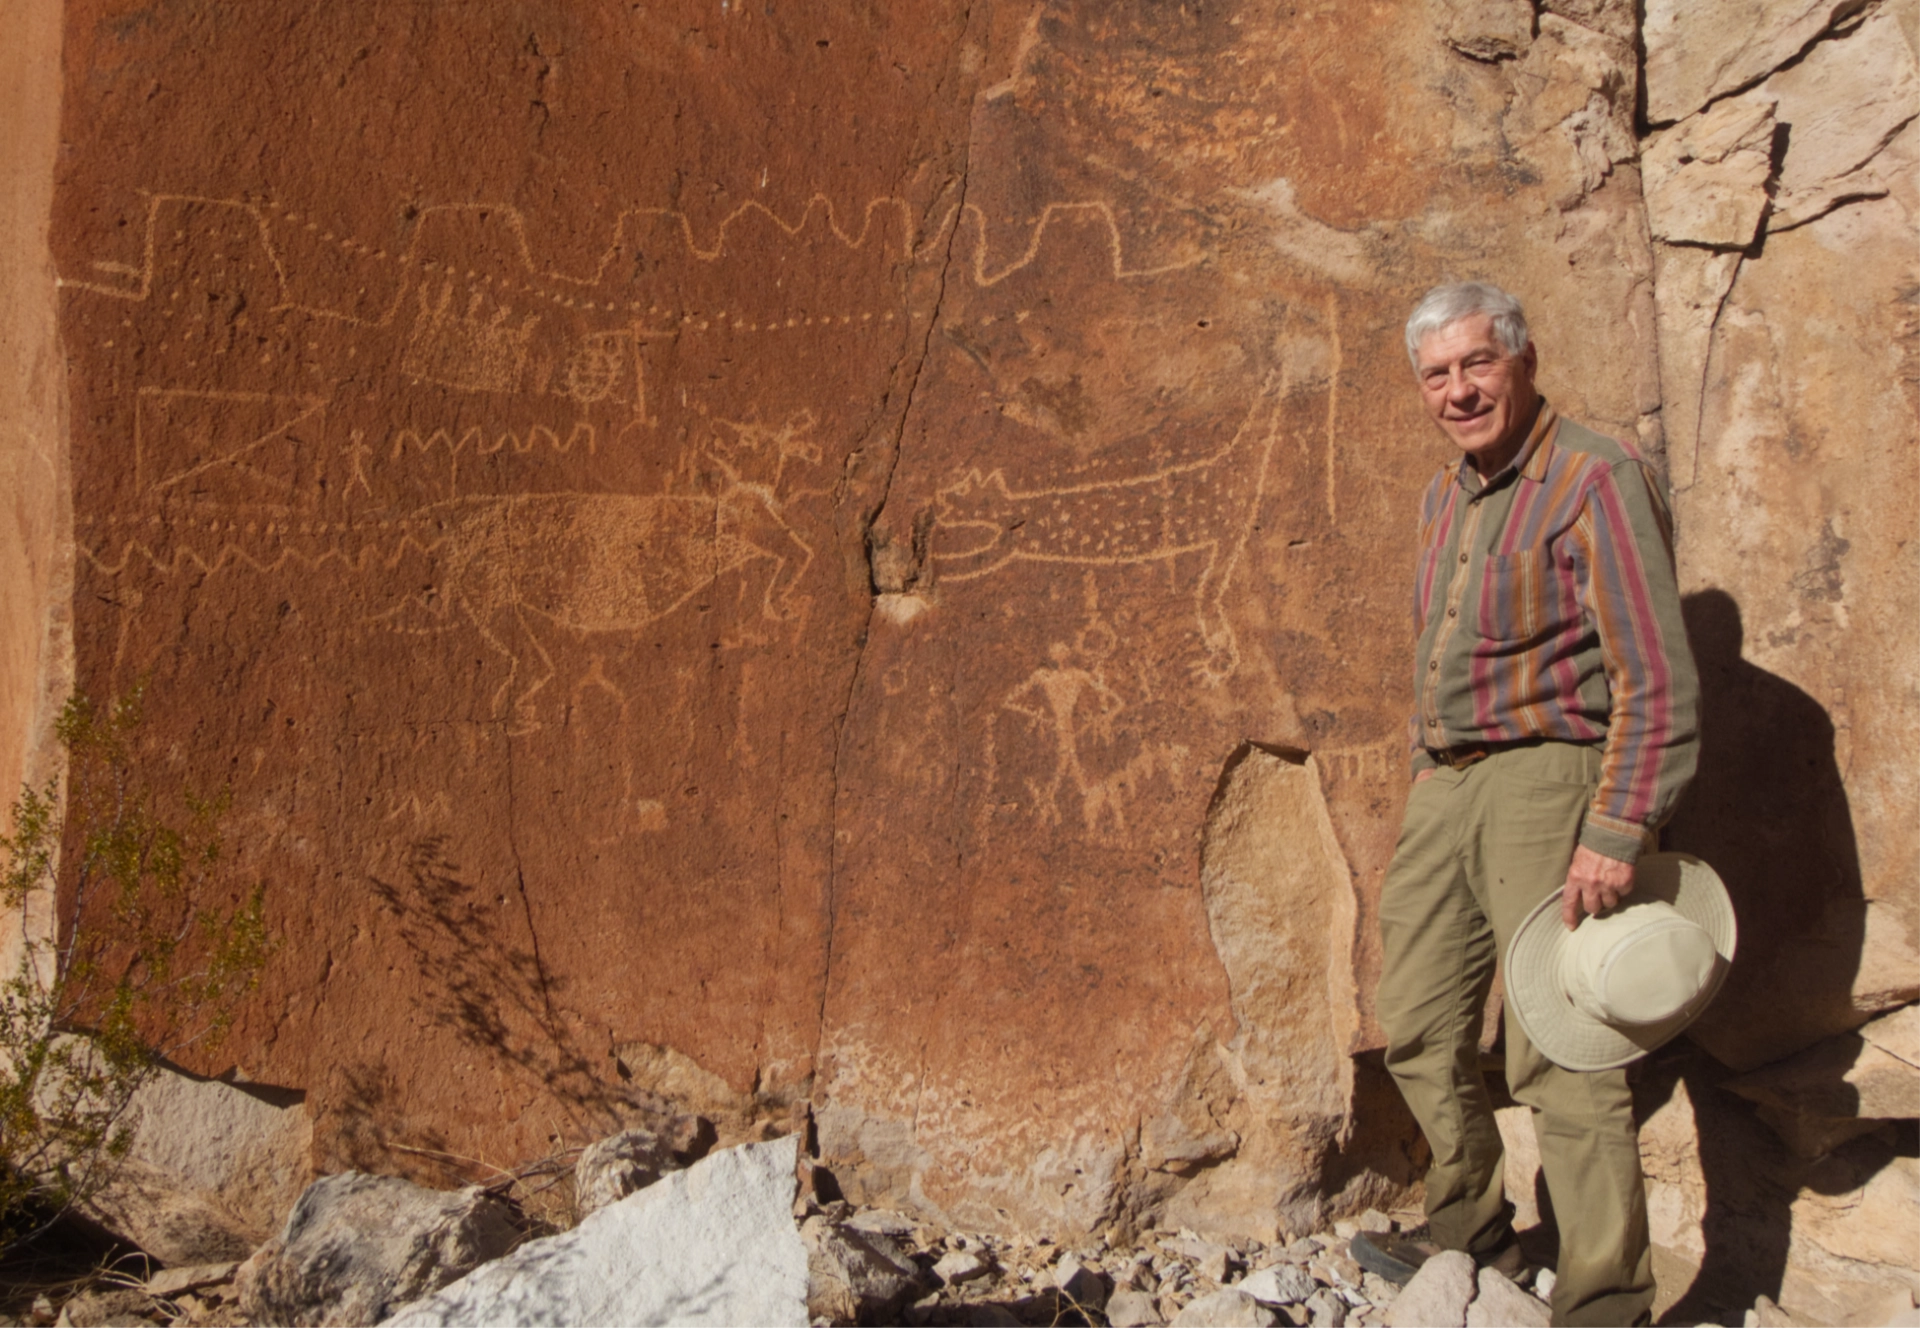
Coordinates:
(754, 553)
(36, 545)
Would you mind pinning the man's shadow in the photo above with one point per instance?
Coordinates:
(1768, 811)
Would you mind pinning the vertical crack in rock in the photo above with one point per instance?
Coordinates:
(867, 520)
(513, 847)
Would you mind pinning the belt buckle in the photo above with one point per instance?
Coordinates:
(1459, 758)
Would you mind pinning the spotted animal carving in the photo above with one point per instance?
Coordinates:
(1204, 508)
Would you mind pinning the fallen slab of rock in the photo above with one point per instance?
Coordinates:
(855, 1274)
(355, 1247)
(713, 1244)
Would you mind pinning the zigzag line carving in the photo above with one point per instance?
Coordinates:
(979, 263)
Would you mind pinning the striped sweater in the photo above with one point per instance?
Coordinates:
(1545, 606)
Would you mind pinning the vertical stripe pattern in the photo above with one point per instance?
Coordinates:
(1553, 575)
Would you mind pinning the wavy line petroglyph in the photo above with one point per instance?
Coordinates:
(264, 213)
(979, 261)
(1205, 507)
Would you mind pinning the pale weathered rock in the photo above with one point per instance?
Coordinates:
(1897, 1034)
(1282, 1284)
(1521, 1149)
(958, 1266)
(212, 1169)
(1818, 866)
(1870, 1225)
(610, 1169)
(1698, 50)
(1842, 1077)
(1706, 178)
(854, 1273)
(1498, 1303)
(1437, 1295)
(356, 1247)
(174, 1281)
(108, 1309)
(1616, 18)
(1543, 1283)
(714, 1244)
(1276, 888)
(1226, 1308)
(1486, 29)
(1326, 1310)
(1842, 105)
(1133, 1309)
(1577, 125)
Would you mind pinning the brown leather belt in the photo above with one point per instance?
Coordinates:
(1459, 758)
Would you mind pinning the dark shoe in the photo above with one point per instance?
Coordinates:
(1398, 1258)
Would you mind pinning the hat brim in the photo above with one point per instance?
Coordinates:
(1569, 1036)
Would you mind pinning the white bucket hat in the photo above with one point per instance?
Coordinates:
(1625, 981)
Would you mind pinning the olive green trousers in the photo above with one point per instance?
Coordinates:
(1479, 848)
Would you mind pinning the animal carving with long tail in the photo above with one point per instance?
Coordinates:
(1204, 508)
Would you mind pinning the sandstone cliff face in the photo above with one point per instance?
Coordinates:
(753, 553)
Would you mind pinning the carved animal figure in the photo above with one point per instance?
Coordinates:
(1203, 507)
(519, 565)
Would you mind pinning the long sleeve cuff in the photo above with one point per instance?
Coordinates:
(1613, 838)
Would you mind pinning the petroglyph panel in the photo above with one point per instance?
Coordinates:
(756, 532)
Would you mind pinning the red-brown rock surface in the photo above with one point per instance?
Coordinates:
(736, 550)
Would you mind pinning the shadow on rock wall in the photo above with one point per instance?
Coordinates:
(1769, 811)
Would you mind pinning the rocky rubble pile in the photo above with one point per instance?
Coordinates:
(671, 1230)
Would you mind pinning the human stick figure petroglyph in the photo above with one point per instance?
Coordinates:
(1070, 702)
(1205, 507)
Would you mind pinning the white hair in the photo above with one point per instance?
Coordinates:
(1443, 306)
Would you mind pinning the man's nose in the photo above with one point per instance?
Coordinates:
(1459, 386)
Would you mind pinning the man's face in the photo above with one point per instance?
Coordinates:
(1480, 396)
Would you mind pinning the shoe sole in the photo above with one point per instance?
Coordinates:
(1376, 1260)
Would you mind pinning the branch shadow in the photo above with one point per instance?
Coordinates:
(486, 986)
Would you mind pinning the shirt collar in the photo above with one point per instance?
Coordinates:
(1530, 462)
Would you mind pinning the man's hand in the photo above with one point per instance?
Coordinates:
(1424, 774)
(1595, 883)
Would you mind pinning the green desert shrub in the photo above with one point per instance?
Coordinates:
(133, 948)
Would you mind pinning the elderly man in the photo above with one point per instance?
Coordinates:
(1553, 728)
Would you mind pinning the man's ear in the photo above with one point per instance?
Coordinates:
(1531, 358)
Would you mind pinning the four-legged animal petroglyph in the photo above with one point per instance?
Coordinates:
(1204, 508)
(518, 565)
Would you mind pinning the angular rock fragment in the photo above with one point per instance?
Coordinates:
(1843, 103)
(1228, 1308)
(612, 1168)
(1282, 1284)
(1487, 29)
(211, 1170)
(177, 1281)
(1836, 1089)
(1438, 1295)
(714, 1244)
(1498, 1303)
(1084, 1285)
(357, 1246)
(854, 1273)
(1705, 180)
(1132, 1309)
(1697, 50)
(957, 1266)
